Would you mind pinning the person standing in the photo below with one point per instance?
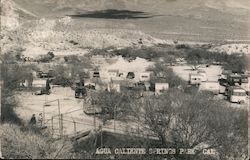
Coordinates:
(33, 120)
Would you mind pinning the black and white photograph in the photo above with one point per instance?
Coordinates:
(125, 79)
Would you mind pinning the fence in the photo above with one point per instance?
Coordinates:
(65, 125)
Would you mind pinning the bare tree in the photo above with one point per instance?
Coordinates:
(197, 122)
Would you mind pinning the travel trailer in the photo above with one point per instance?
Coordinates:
(195, 79)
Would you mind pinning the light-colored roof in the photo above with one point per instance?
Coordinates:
(113, 70)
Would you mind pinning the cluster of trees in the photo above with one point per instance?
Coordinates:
(74, 69)
(195, 120)
(235, 62)
(193, 55)
(183, 120)
(164, 74)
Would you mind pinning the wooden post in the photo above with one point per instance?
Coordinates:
(114, 116)
(94, 117)
(61, 129)
(101, 137)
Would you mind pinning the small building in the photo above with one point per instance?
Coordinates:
(161, 87)
(113, 73)
(195, 79)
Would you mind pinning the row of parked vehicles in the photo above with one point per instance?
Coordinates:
(234, 86)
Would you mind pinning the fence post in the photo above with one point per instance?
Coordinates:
(52, 128)
(61, 129)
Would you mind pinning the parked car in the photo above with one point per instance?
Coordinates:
(236, 94)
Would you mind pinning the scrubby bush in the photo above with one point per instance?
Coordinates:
(17, 144)
(8, 104)
(46, 58)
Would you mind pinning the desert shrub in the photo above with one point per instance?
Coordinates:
(8, 104)
(46, 58)
(144, 52)
(182, 46)
(17, 144)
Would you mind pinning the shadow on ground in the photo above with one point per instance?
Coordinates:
(114, 14)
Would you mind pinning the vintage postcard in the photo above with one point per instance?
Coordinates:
(125, 79)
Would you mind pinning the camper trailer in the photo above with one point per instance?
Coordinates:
(236, 94)
(195, 79)
(113, 73)
(203, 75)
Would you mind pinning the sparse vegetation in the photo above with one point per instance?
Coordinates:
(18, 144)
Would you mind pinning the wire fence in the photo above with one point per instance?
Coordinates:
(65, 124)
(75, 127)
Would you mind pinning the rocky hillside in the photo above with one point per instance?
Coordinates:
(74, 26)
